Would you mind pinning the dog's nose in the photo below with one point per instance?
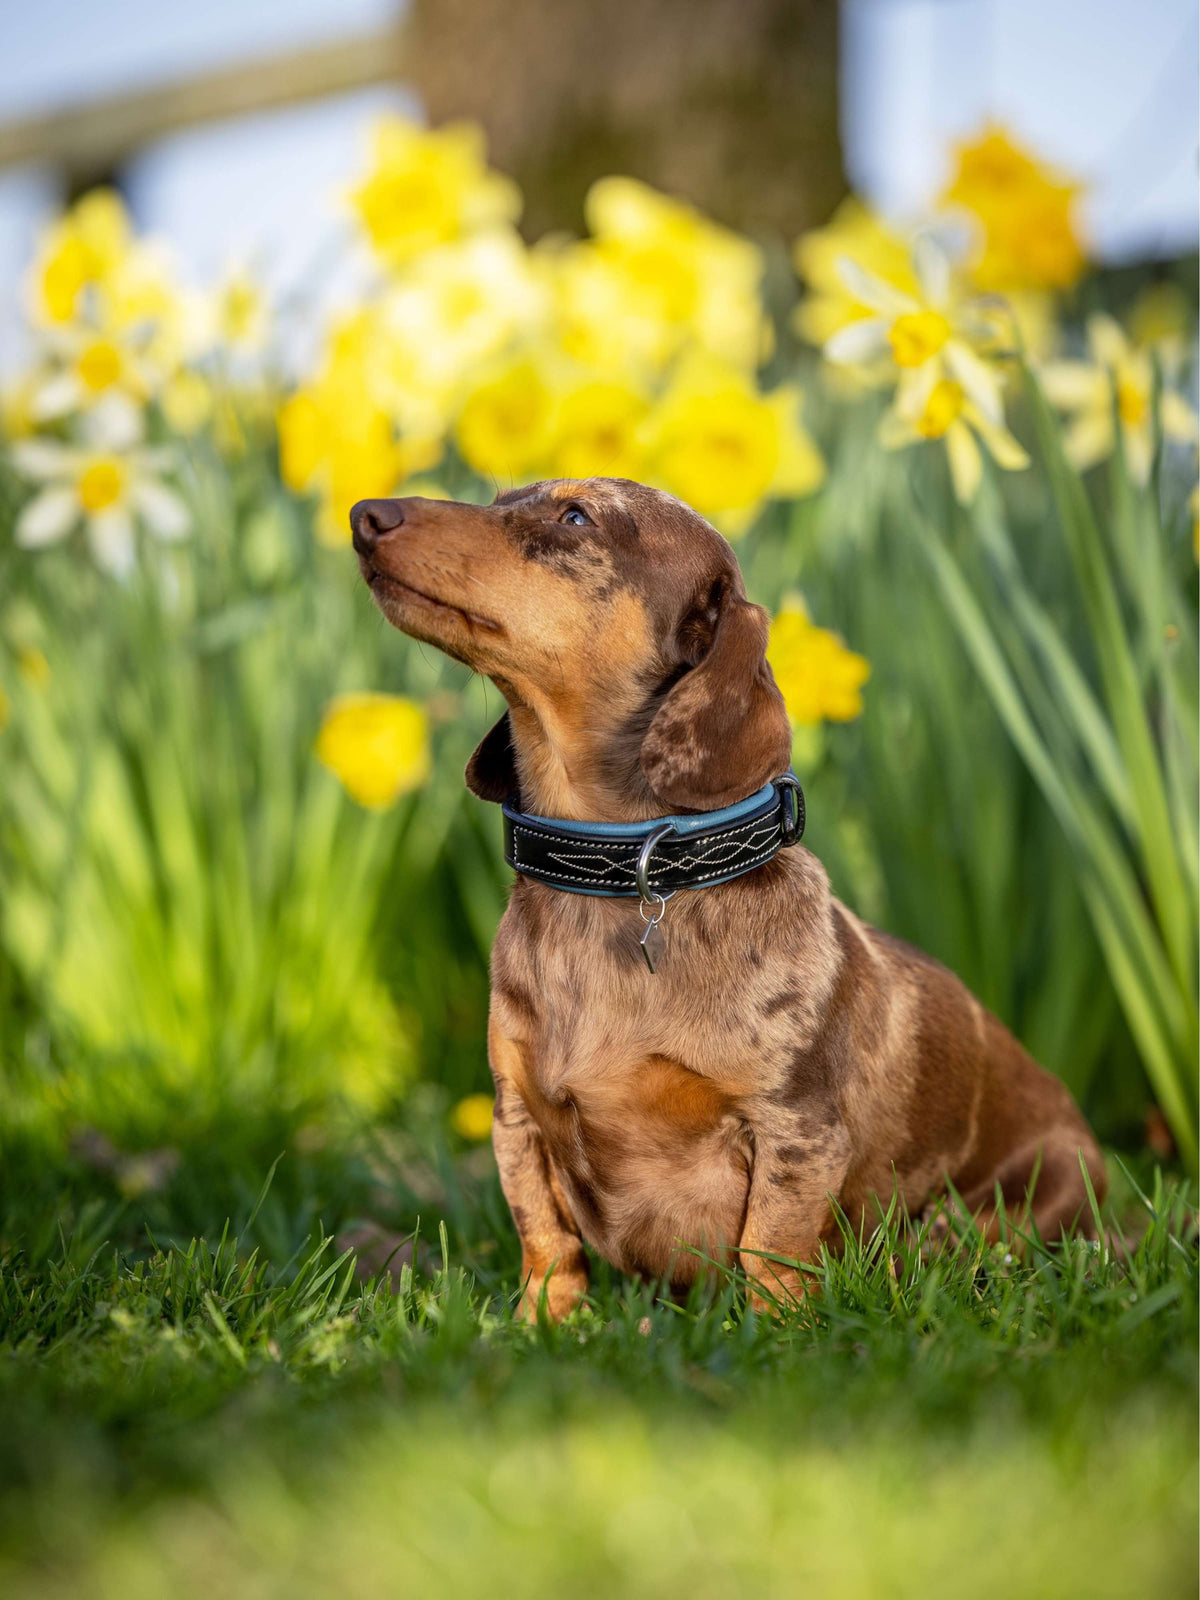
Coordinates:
(371, 519)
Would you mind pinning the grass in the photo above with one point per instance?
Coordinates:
(253, 1418)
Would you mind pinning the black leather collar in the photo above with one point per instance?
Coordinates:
(693, 852)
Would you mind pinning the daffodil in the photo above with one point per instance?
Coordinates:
(945, 389)
(376, 745)
(238, 313)
(598, 431)
(678, 278)
(1026, 214)
(338, 439)
(505, 430)
(428, 187)
(934, 324)
(83, 251)
(455, 309)
(94, 275)
(1118, 378)
(107, 490)
(820, 679)
(472, 1117)
(854, 233)
(719, 444)
(90, 367)
(933, 406)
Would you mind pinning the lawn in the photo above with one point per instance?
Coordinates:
(251, 1416)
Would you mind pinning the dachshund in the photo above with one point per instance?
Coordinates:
(783, 1055)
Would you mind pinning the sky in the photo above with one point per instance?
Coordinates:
(1105, 88)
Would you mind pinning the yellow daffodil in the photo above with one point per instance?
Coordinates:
(853, 233)
(933, 325)
(505, 430)
(819, 678)
(679, 279)
(1085, 391)
(945, 389)
(598, 431)
(454, 310)
(335, 437)
(82, 251)
(376, 745)
(936, 407)
(1026, 214)
(241, 313)
(428, 187)
(717, 443)
(472, 1117)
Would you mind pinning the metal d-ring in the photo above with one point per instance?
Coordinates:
(641, 874)
(791, 818)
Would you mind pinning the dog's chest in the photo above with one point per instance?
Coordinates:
(638, 1081)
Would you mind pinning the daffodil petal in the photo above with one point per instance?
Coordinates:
(57, 397)
(933, 270)
(914, 389)
(979, 383)
(1139, 452)
(115, 423)
(896, 431)
(162, 510)
(1178, 419)
(1006, 449)
(873, 292)
(1089, 439)
(48, 517)
(1106, 340)
(111, 537)
(44, 460)
(966, 463)
(1072, 385)
(862, 341)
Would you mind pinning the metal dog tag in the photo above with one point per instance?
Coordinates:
(653, 943)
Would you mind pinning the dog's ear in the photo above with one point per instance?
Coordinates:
(492, 770)
(722, 731)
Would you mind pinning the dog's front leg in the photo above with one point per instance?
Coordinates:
(551, 1250)
(796, 1167)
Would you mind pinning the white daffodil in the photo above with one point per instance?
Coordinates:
(89, 368)
(1124, 371)
(107, 490)
(936, 407)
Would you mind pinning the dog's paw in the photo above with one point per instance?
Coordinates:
(562, 1292)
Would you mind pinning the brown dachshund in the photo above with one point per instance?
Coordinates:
(784, 1052)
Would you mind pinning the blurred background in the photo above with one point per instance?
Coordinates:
(900, 293)
(231, 130)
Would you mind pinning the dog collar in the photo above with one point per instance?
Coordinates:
(651, 860)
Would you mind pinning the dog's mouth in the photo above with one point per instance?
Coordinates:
(385, 587)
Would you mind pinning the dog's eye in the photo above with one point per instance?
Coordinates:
(576, 517)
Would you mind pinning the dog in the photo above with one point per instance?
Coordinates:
(782, 1055)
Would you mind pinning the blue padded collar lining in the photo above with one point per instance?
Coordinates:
(635, 830)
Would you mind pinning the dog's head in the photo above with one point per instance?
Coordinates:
(614, 621)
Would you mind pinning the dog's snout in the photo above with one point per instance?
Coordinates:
(371, 519)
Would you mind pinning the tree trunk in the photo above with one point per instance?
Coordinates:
(731, 104)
